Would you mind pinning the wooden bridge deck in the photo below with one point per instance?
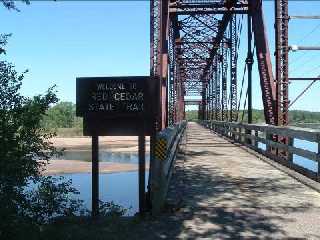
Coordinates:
(227, 192)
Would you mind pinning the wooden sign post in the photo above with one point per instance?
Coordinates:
(117, 106)
(142, 170)
(95, 175)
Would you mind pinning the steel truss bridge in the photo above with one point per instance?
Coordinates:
(194, 52)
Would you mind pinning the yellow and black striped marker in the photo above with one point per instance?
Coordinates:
(161, 148)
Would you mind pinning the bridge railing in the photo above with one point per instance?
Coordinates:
(166, 147)
(259, 138)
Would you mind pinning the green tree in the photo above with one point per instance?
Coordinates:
(23, 143)
(10, 4)
(61, 115)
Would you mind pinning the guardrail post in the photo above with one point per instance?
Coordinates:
(231, 133)
(268, 137)
(246, 138)
(290, 154)
(236, 134)
(242, 138)
(226, 129)
(256, 135)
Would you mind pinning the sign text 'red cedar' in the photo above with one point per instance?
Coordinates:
(116, 105)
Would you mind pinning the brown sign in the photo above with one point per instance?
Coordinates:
(116, 105)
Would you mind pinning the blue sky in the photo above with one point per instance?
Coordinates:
(59, 41)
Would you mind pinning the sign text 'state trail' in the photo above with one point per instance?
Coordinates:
(119, 102)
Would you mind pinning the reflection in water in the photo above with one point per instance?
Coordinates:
(121, 188)
(104, 156)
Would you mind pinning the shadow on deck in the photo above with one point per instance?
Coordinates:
(208, 202)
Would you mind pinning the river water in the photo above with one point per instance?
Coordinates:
(121, 188)
(304, 162)
(104, 156)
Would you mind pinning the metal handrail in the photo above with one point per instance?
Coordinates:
(253, 134)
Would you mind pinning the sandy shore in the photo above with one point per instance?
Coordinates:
(74, 166)
(111, 144)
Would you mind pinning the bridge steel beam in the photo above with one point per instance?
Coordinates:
(174, 49)
(217, 88)
(220, 34)
(249, 62)
(159, 54)
(233, 69)
(281, 53)
(224, 96)
(267, 81)
(213, 7)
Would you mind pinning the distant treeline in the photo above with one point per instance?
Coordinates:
(295, 116)
(62, 117)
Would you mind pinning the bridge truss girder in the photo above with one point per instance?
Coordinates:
(184, 36)
(194, 48)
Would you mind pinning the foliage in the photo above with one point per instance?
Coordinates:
(10, 4)
(192, 115)
(52, 197)
(3, 42)
(21, 138)
(83, 228)
(295, 116)
(28, 200)
(36, 205)
(61, 115)
(62, 119)
(110, 209)
(23, 143)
